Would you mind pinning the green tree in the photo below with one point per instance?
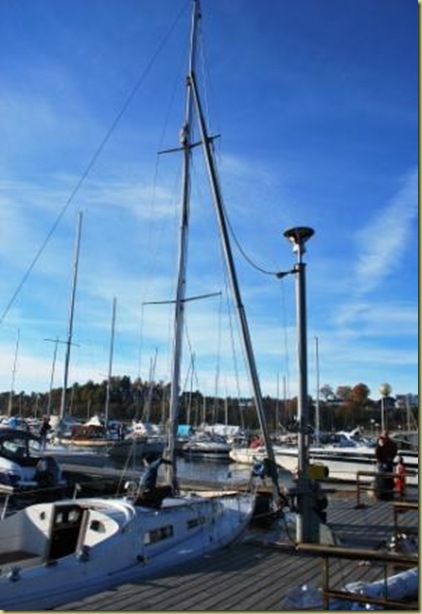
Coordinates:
(343, 392)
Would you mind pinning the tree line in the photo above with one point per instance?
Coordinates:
(344, 408)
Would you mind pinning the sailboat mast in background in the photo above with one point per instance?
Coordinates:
(70, 322)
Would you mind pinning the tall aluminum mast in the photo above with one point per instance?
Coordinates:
(185, 143)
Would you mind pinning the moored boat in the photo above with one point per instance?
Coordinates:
(53, 552)
(207, 446)
(25, 465)
(343, 456)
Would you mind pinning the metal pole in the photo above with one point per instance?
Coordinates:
(277, 405)
(303, 407)
(306, 528)
(12, 386)
(382, 413)
(53, 368)
(185, 142)
(70, 323)
(110, 363)
(385, 390)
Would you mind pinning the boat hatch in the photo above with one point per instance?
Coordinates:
(65, 528)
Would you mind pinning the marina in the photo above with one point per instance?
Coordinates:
(265, 568)
(109, 515)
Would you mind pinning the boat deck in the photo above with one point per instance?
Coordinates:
(23, 557)
(259, 572)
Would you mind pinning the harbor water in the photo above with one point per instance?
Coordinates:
(221, 472)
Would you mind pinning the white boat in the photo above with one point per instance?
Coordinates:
(25, 465)
(344, 458)
(343, 463)
(51, 553)
(145, 440)
(207, 446)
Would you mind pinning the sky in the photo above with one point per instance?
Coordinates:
(315, 106)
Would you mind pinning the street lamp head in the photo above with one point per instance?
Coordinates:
(298, 237)
(385, 389)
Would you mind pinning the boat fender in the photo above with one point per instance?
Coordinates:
(14, 574)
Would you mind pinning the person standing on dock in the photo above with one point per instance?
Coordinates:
(45, 428)
(385, 452)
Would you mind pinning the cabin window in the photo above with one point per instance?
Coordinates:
(195, 522)
(74, 515)
(97, 526)
(156, 535)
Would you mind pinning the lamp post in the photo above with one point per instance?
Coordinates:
(306, 529)
(385, 390)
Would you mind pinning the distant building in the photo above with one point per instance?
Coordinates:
(407, 400)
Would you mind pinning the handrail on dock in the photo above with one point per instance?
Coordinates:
(361, 486)
(386, 558)
(401, 507)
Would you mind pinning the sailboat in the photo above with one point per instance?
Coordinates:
(53, 552)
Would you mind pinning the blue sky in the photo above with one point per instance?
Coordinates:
(316, 104)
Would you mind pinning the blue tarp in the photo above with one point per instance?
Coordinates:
(184, 430)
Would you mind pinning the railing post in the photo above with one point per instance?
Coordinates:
(359, 504)
(325, 583)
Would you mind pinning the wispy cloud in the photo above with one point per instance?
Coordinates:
(383, 243)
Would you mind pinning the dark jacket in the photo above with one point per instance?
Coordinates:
(385, 451)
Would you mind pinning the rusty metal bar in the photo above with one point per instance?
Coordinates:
(387, 603)
(325, 552)
(400, 507)
(358, 554)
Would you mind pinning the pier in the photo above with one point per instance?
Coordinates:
(263, 569)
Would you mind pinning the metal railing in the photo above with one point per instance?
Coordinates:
(385, 558)
(401, 507)
(365, 485)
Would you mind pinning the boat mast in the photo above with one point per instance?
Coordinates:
(185, 143)
(12, 385)
(110, 363)
(224, 235)
(70, 323)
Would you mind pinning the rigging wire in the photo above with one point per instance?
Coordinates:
(218, 364)
(208, 83)
(92, 161)
(233, 346)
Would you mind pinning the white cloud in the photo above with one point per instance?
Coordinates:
(383, 243)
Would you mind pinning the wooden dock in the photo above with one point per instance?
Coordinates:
(259, 572)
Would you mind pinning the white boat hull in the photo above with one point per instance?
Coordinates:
(342, 463)
(46, 561)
